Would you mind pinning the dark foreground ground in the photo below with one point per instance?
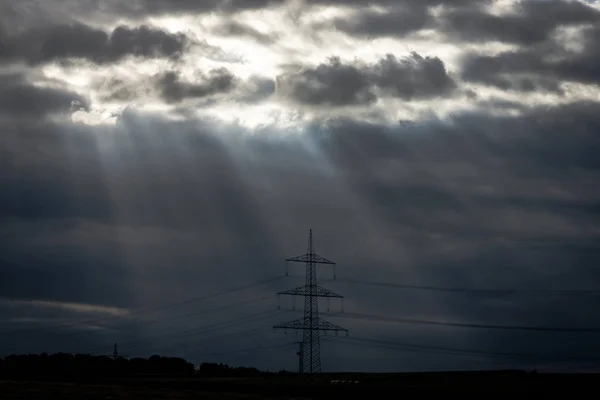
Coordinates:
(295, 387)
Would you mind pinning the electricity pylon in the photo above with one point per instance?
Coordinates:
(311, 324)
(299, 353)
(115, 354)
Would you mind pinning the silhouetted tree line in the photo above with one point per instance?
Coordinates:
(214, 369)
(63, 365)
(84, 366)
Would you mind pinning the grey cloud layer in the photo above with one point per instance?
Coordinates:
(60, 42)
(530, 68)
(536, 68)
(532, 22)
(339, 84)
(19, 98)
(172, 89)
(210, 86)
(116, 215)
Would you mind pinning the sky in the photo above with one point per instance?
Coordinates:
(160, 159)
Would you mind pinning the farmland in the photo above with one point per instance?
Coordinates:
(296, 387)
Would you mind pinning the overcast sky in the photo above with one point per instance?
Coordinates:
(159, 152)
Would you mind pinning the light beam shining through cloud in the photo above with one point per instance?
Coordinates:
(156, 151)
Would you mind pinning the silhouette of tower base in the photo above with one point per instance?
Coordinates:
(311, 325)
(300, 354)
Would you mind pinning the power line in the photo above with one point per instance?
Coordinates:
(465, 325)
(195, 313)
(255, 318)
(239, 334)
(529, 292)
(231, 335)
(200, 329)
(468, 352)
(252, 349)
(206, 311)
(269, 349)
(140, 311)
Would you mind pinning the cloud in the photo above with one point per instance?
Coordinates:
(73, 307)
(234, 28)
(390, 18)
(19, 98)
(139, 214)
(143, 8)
(256, 89)
(328, 84)
(516, 71)
(524, 25)
(466, 21)
(399, 3)
(539, 68)
(338, 84)
(144, 210)
(173, 89)
(370, 23)
(413, 77)
(124, 89)
(186, 6)
(77, 41)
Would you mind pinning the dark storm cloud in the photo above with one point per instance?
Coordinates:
(531, 23)
(466, 21)
(412, 78)
(369, 23)
(535, 145)
(538, 68)
(517, 71)
(399, 17)
(400, 3)
(140, 9)
(338, 84)
(28, 13)
(173, 90)
(334, 84)
(186, 6)
(19, 98)
(62, 42)
(77, 271)
(143, 8)
(152, 211)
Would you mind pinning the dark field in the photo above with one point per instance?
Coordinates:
(295, 387)
(67, 391)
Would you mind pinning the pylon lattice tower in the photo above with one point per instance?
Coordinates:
(115, 354)
(311, 324)
(300, 354)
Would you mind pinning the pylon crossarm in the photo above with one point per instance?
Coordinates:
(317, 291)
(296, 324)
(328, 326)
(315, 259)
(321, 325)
